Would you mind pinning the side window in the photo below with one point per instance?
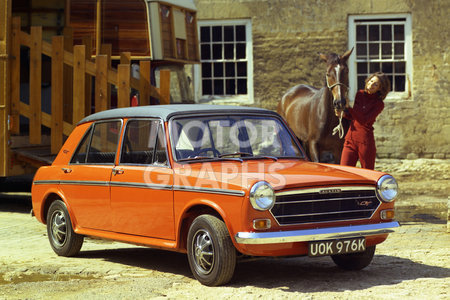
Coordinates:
(81, 153)
(102, 149)
(140, 142)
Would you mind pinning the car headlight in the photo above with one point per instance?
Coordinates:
(387, 188)
(262, 196)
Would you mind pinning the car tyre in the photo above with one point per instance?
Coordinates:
(211, 254)
(64, 241)
(354, 261)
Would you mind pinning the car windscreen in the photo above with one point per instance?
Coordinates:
(232, 136)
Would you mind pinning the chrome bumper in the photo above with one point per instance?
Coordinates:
(318, 234)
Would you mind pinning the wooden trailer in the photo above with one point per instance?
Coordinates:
(61, 60)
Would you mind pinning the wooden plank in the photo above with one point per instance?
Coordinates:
(68, 75)
(106, 49)
(101, 83)
(144, 82)
(35, 84)
(164, 79)
(57, 93)
(79, 84)
(5, 39)
(87, 42)
(46, 119)
(123, 89)
(15, 76)
(125, 58)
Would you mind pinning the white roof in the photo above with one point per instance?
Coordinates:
(189, 4)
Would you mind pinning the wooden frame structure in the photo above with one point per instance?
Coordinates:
(84, 68)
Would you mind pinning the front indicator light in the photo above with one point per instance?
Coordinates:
(261, 224)
(387, 214)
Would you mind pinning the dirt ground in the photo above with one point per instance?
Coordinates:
(413, 263)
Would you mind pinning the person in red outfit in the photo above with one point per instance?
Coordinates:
(359, 140)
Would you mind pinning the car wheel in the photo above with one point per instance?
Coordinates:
(354, 261)
(211, 254)
(64, 241)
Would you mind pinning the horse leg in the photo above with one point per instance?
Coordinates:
(313, 151)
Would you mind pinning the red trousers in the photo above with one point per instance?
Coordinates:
(353, 151)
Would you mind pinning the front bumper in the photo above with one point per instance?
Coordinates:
(306, 235)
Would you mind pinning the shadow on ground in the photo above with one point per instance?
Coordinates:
(301, 274)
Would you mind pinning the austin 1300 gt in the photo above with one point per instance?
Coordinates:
(219, 183)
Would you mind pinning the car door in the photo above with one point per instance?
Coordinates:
(85, 181)
(141, 184)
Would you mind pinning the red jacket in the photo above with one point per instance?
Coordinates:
(363, 114)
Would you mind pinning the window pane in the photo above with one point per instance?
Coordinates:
(205, 34)
(386, 32)
(240, 33)
(400, 67)
(242, 86)
(241, 69)
(228, 32)
(207, 87)
(218, 69)
(374, 32)
(399, 50)
(206, 51)
(229, 51)
(361, 33)
(386, 51)
(217, 51)
(218, 87)
(374, 51)
(361, 80)
(361, 50)
(139, 142)
(399, 83)
(374, 67)
(230, 69)
(217, 33)
(362, 68)
(104, 143)
(399, 32)
(231, 86)
(240, 51)
(206, 70)
(386, 67)
(80, 155)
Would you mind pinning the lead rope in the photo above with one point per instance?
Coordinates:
(339, 128)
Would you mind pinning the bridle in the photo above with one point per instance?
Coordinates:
(335, 84)
(339, 128)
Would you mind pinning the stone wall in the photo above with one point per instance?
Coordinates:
(288, 34)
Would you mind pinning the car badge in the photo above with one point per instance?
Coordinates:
(330, 191)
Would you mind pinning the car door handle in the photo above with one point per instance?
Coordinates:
(66, 170)
(117, 171)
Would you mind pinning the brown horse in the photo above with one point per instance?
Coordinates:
(310, 111)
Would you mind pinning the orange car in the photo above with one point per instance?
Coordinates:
(220, 183)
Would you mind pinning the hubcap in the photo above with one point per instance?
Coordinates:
(58, 228)
(203, 251)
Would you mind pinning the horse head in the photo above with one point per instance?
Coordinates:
(337, 77)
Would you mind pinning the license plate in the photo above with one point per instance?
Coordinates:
(332, 247)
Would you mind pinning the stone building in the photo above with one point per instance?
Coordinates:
(252, 51)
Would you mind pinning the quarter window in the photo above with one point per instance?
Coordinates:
(382, 44)
(99, 147)
(226, 60)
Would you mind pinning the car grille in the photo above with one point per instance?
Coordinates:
(324, 205)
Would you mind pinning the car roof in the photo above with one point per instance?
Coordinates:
(165, 112)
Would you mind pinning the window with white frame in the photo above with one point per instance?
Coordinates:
(382, 43)
(226, 61)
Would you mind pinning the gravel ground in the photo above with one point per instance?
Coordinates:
(412, 264)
